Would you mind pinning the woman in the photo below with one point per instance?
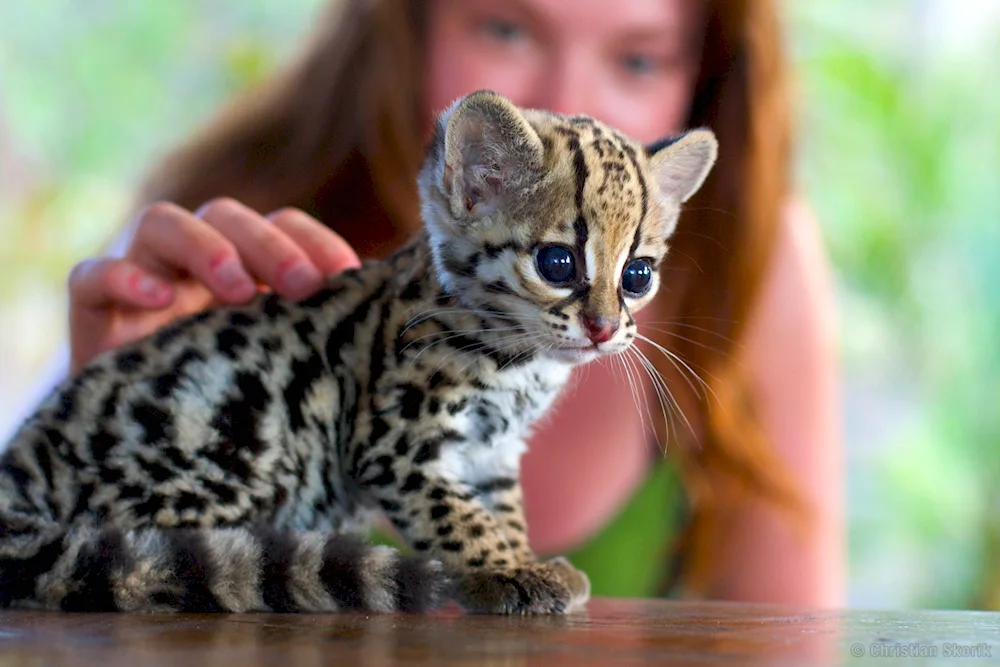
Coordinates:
(338, 137)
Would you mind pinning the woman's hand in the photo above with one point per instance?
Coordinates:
(179, 263)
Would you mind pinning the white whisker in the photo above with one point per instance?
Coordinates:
(518, 339)
(636, 392)
(426, 315)
(674, 334)
(452, 333)
(675, 359)
(664, 395)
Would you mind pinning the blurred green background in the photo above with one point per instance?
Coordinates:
(899, 153)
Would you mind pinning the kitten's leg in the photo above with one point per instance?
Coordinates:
(505, 500)
(30, 545)
(493, 567)
(30, 533)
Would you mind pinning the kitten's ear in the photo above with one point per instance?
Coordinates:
(490, 153)
(681, 164)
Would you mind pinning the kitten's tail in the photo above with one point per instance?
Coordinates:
(219, 570)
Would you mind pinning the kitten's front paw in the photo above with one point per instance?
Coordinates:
(576, 580)
(555, 587)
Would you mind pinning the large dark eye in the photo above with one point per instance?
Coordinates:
(637, 277)
(556, 264)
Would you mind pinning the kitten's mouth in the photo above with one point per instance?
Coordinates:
(589, 347)
(580, 353)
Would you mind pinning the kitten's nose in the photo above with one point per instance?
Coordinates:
(599, 329)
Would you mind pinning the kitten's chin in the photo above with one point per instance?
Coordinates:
(573, 355)
(582, 354)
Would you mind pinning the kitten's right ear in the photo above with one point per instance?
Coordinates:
(491, 152)
(681, 164)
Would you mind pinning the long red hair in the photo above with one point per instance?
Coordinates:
(339, 133)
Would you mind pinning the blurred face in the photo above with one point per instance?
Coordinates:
(629, 63)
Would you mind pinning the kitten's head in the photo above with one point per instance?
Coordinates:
(558, 222)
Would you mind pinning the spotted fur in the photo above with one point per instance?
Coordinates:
(227, 462)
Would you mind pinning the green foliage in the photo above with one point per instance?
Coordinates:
(91, 93)
(901, 160)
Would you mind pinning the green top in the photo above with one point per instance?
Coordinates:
(629, 557)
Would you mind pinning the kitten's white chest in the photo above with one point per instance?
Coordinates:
(497, 421)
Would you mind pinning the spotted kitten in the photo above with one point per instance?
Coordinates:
(228, 462)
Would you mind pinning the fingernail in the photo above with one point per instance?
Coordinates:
(301, 278)
(231, 274)
(152, 287)
(146, 285)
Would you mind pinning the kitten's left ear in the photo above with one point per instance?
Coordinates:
(681, 164)
(491, 153)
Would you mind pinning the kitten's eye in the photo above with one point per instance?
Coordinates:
(637, 277)
(556, 264)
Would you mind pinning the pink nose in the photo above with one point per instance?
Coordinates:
(599, 329)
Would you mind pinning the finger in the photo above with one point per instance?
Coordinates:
(267, 251)
(328, 251)
(171, 241)
(103, 283)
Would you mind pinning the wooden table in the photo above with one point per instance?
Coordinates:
(609, 632)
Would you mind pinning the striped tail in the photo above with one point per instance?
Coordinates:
(205, 570)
